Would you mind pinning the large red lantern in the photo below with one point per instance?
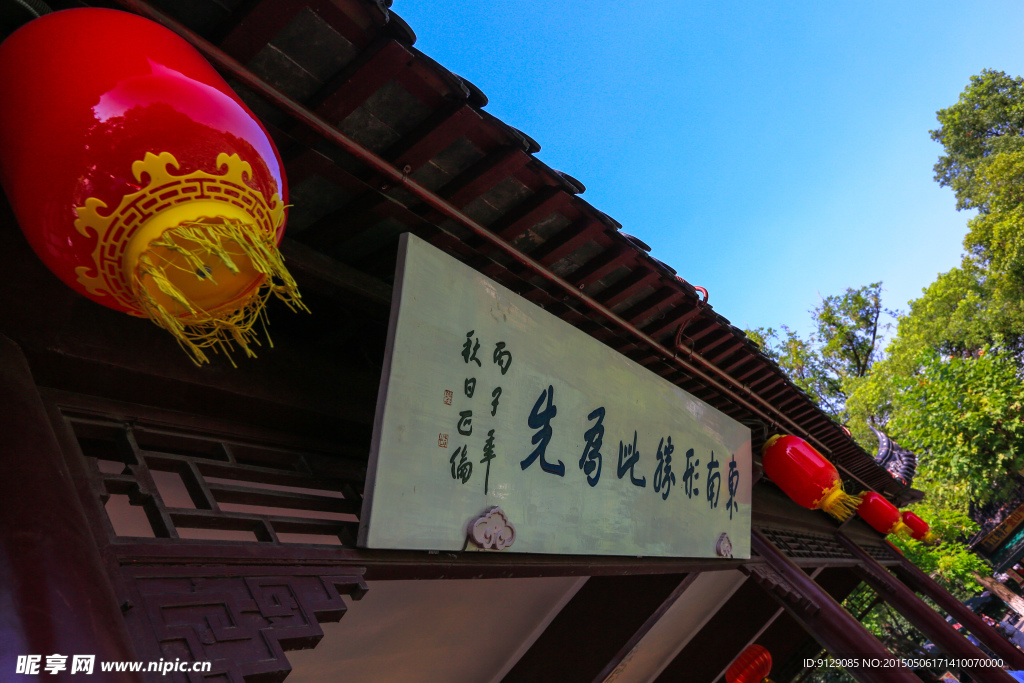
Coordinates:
(919, 529)
(140, 178)
(806, 476)
(752, 666)
(880, 514)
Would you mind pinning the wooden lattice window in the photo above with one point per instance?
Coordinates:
(161, 483)
(801, 545)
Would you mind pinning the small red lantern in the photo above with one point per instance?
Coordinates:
(880, 514)
(752, 666)
(140, 178)
(806, 476)
(919, 529)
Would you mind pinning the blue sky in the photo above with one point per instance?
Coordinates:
(772, 152)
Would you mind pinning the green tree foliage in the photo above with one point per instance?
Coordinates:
(843, 347)
(939, 390)
(950, 562)
(986, 121)
(803, 362)
(954, 317)
(995, 242)
(965, 414)
(848, 330)
(949, 384)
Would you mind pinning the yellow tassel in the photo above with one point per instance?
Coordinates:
(900, 529)
(930, 538)
(839, 503)
(196, 329)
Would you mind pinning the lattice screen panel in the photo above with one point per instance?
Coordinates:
(160, 483)
(797, 544)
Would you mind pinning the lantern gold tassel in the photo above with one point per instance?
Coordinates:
(838, 502)
(901, 529)
(175, 270)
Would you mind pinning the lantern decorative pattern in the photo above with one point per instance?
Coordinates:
(140, 178)
(880, 514)
(806, 476)
(752, 666)
(918, 528)
(184, 250)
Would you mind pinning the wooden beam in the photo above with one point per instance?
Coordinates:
(252, 30)
(722, 637)
(925, 619)
(821, 615)
(628, 286)
(387, 565)
(926, 585)
(664, 298)
(603, 616)
(645, 628)
(544, 202)
(483, 175)
(433, 136)
(325, 274)
(599, 266)
(782, 635)
(374, 67)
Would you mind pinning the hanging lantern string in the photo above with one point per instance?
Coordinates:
(196, 329)
(838, 502)
(901, 529)
(806, 476)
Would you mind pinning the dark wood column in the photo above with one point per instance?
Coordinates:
(820, 615)
(626, 650)
(787, 641)
(54, 594)
(722, 637)
(595, 625)
(919, 613)
(918, 581)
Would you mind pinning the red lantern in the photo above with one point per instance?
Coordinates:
(919, 529)
(806, 477)
(880, 514)
(140, 178)
(752, 666)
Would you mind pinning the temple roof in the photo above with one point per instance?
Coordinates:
(897, 460)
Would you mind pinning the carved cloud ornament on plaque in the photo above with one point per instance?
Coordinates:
(492, 530)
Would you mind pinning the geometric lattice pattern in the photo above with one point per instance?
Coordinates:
(240, 618)
(168, 484)
(770, 580)
(797, 545)
(860, 601)
(114, 229)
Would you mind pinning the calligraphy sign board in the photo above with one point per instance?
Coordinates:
(488, 400)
